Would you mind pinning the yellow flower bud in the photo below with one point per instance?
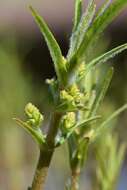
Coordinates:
(75, 92)
(35, 118)
(68, 121)
(64, 95)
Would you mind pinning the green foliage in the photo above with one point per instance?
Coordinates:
(100, 93)
(78, 13)
(103, 8)
(111, 117)
(77, 92)
(35, 133)
(81, 29)
(32, 125)
(108, 147)
(58, 59)
(106, 56)
(99, 24)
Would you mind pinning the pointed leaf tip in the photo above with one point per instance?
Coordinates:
(55, 51)
(78, 13)
(81, 27)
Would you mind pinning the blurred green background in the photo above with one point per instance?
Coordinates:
(24, 65)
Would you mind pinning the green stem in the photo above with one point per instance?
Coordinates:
(46, 155)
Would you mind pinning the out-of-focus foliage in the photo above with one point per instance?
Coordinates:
(14, 93)
(109, 156)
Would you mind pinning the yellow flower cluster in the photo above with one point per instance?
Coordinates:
(35, 118)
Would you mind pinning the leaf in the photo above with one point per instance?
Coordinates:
(80, 155)
(104, 58)
(100, 24)
(85, 21)
(79, 33)
(87, 121)
(101, 92)
(35, 133)
(107, 56)
(82, 124)
(83, 147)
(72, 145)
(111, 117)
(78, 12)
(103, 8)
(108, 146)
(59, 62)
(121, 154)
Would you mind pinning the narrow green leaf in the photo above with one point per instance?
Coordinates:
(112, 116)
(59, 62)
(70, 136)
(100, 24)
(87, 121)
(101, 92)
(82, 28)
(104, 58)
(78, 12)
(107, 56)
(108, 146)
(86, 21)
(35, 133)
(80, 155)
(121, 155)
(72, 144)
(103, 8)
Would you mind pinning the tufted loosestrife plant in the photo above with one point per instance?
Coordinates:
(77, 91)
